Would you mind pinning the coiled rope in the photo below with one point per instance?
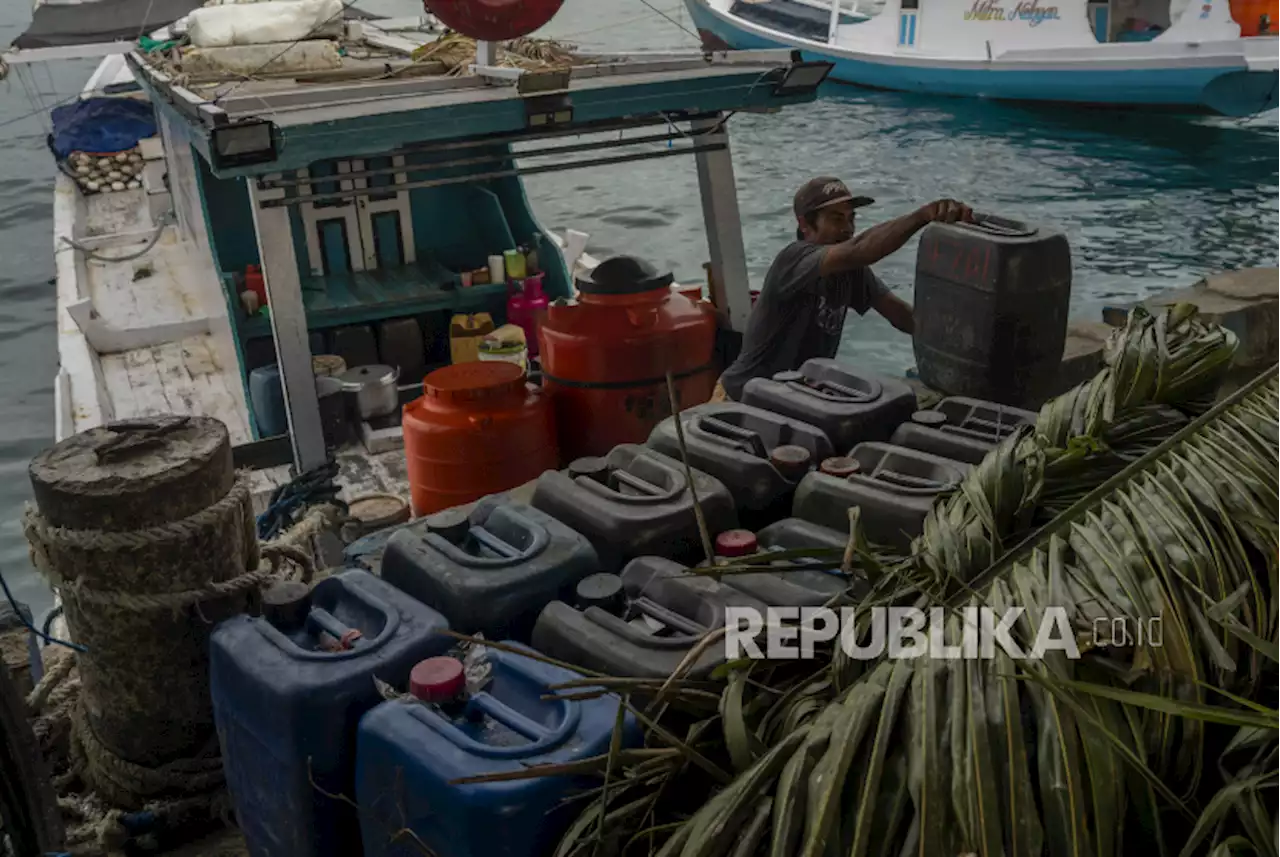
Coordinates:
(109, 798)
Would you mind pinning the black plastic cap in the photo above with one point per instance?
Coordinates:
(286, 604)
(623, 275)
(601, 590)
(933, 419)
(453, 524)
(592, 466)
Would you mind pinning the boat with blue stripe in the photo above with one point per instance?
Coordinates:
(1067, 51)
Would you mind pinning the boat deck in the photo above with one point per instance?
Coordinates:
(160, 338)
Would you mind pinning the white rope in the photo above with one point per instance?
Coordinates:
(89, 253)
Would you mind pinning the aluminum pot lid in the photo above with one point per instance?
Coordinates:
(359, 377)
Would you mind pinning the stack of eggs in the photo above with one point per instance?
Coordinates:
(106, 173)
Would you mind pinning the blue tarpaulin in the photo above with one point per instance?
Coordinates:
(100, 125)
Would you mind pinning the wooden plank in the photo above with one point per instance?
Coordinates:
(210, 382)
(176, 382)
(145, 385)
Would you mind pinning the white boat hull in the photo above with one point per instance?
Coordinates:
(1234, 77)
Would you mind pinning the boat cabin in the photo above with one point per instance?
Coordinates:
(983, 29)
(356, 207)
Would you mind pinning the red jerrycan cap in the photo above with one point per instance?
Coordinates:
(493, 20)
(791, 461)
(437, 679)
(840, 466)
(736, 543)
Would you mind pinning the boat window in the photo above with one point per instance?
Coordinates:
(910, 4)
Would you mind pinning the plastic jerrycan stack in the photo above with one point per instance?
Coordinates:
(757, 454)
(634, 503)
(894, 487)
(288, 690)
(411, 752)
(491, 571)
(847, 405)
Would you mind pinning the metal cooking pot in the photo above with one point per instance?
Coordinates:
(372, 389)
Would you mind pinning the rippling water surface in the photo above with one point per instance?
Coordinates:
(1148, 202)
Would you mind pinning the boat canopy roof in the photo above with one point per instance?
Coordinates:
(55, 25)
(70, 29)
(260, 127)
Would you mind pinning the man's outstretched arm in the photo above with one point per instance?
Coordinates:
(864, 250)
(896, 311)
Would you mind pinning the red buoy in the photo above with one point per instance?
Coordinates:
(494, 20)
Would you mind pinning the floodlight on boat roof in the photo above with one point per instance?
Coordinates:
(244, 142)
(802, 78)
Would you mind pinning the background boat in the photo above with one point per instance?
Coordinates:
(1070, 51)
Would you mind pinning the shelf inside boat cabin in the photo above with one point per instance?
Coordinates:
(354, 297)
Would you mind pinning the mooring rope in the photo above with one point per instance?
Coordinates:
(161, 534)
(109, 786)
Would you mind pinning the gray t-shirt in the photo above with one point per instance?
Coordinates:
(798, 315)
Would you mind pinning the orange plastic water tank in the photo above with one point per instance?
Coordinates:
(478, 429)
(605, 356)
(1255, 17)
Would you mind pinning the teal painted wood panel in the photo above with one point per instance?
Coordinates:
(369, 136)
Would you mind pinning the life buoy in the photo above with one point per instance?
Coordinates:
(494, 20)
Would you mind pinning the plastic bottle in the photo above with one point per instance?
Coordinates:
(515, 264)
(518, 308)
(535, 309)
(531, 257)
(254, 282)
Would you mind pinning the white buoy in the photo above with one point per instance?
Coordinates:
(134, 185)
(117, 185)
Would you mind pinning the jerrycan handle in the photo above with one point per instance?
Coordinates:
(632, 481)
(352, 640)
(648, 492)
(991, 224)
(727, 434)
(894, 479)
(508, 554)
(833, 392)
(982, 431)
(799, 560)
(668, 617)
(541, 739)
(321, 620)
(689, 631)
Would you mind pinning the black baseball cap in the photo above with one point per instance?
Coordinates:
(823, 191)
